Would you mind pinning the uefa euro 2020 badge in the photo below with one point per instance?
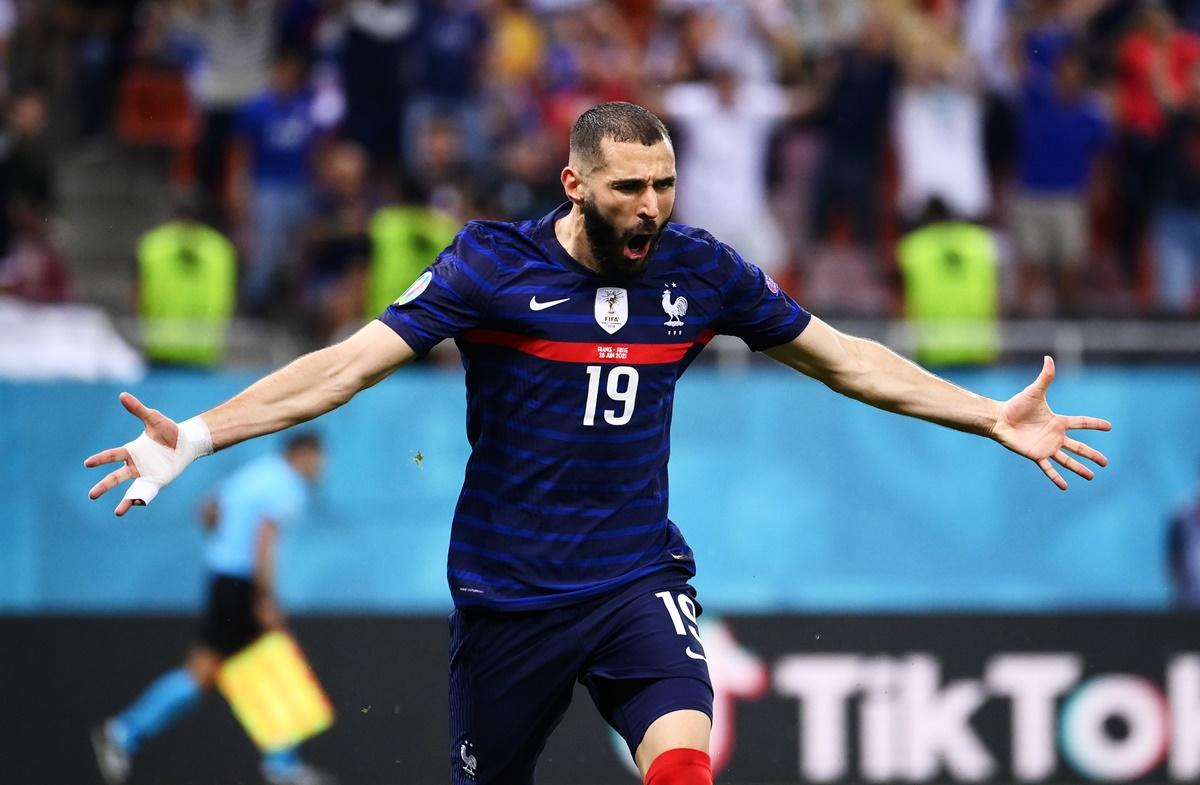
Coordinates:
(414, 291)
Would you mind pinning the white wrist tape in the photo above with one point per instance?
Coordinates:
(158, 465)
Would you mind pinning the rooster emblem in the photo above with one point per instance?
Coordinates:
(470, 764)
(675, 310)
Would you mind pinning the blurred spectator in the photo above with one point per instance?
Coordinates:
(440, 171)
(236, 39)
(1154, 61)
(516, 44)
(939, 125)
(1047, 33)
(34, 269)
(855, 115)
(1063, 131)
(1177, 224)
(725, 125)
(590, 60)
(276, 136)
(376, 75)
(299, 21)
(8, 23)
(338, 246)
(988, 33)
(155, 107)
(31, 266)
(452, 44)
(406, 237)
(1183, 554)
(748, 36)
(824, 26)
(186, 290)
(951, 290)
(531, 187)
(98, 28)
(27, 183)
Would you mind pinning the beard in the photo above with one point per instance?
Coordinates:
(607, 243)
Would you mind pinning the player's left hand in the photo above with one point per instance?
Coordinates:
(1028, 427)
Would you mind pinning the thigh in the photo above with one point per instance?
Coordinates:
(229, 623)
(647, 660)
(511, 677)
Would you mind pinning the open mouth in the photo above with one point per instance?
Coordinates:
(638, 246)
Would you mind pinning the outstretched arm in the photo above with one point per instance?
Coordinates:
(308, 387)
(869, 372)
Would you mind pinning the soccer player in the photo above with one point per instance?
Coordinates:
(243, 523)
(573, 330)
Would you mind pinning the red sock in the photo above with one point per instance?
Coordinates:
(680, 767)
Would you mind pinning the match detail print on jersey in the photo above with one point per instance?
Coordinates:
(589, 351)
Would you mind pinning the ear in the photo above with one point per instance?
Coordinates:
(572, 185)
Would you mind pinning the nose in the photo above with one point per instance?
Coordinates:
(648, 205)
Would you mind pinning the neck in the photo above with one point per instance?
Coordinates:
(573, 238)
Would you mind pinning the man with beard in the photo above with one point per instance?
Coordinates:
(573, 329)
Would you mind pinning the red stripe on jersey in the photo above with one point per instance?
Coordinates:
(590, 352)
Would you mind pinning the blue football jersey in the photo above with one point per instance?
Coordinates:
(570, 383)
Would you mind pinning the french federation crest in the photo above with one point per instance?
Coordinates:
(612, 308)
(675, 309)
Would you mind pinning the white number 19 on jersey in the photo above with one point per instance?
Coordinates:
(622, 388)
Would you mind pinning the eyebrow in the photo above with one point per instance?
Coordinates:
(631, 181)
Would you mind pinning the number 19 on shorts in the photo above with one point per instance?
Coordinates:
(621, 388)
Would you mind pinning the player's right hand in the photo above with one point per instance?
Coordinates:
(153, 459)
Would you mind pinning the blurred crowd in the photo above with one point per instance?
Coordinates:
(1045, 152)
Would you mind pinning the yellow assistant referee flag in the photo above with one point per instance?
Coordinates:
(274, 693)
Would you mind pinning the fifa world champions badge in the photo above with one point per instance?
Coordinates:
(612, 308)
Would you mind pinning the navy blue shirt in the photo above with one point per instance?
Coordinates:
(453, 40)
(1059, 140)
(570, 384)
(281, 133)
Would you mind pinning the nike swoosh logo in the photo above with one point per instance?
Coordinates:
(534, 305)
(679, 555)
(688, 651)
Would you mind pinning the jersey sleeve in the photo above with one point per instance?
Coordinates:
(285, 506)
(755, 308)
(450, 297)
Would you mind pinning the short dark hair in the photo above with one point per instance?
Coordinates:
(304, 440)
(619, 121)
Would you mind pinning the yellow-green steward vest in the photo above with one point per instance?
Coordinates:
(951, 292)
(404, 241)
(187, 279)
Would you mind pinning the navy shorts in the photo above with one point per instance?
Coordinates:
(512, 674)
